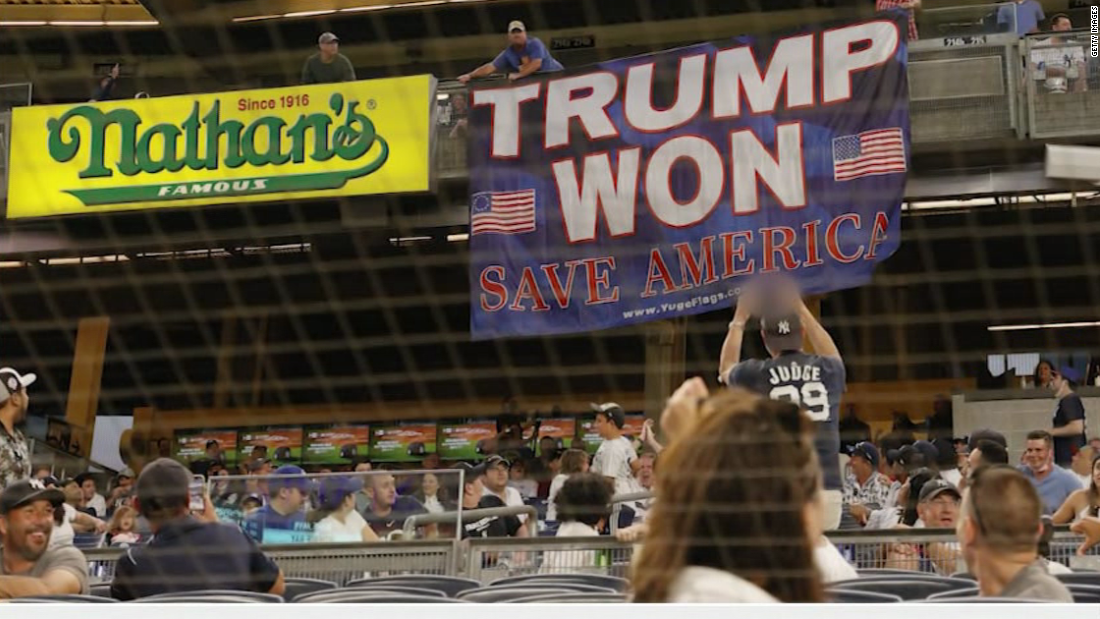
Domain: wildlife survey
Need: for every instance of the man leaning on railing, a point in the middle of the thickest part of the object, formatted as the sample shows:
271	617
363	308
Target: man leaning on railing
524	56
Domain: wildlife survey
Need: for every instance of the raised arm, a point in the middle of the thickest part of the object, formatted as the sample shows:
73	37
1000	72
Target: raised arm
484	70
819	338
735	335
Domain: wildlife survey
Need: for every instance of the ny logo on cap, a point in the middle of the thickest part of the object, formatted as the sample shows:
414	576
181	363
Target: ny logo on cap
784	327
36	484
13	385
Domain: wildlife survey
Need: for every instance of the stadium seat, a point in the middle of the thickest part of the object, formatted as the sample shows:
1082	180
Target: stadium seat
957	593
302	586
964	576
386	587
367	596
611	582
876	572
981	600
1079	578
253	596
102	589
559	585
574	598
200	599
1084	594
906	588
64	599
852	596
449	585
496	595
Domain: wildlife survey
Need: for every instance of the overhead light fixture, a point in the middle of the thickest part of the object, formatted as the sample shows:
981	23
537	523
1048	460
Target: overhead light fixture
458	238
23	23
1049	325
309	13
131	23
422	3
88	23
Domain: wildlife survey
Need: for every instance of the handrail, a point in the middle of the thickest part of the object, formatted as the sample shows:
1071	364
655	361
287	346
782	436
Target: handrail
467	514
625	497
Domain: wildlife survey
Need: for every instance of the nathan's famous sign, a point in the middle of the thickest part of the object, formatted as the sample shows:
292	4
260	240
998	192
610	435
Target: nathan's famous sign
354	138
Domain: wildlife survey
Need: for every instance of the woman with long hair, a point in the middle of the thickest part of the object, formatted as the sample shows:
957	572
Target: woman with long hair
432	495
1082	503
737	511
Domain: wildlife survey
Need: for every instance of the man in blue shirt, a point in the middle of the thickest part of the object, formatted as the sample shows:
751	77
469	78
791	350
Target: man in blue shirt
388	510
188	553
283	519
1053	482
523	56
1029	14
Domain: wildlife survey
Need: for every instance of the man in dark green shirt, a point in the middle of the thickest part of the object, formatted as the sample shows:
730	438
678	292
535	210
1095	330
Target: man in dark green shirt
328	66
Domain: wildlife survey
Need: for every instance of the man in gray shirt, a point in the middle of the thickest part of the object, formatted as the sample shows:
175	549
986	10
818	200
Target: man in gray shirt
328	66
999	531
27	568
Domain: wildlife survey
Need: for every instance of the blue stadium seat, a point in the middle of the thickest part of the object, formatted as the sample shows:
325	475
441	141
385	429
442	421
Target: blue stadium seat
321	597
1084	594
496	595
200	599
611	582
876	572
851	596
392	588
449	585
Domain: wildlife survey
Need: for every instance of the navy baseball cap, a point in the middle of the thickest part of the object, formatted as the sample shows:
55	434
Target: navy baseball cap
928	450
613	411
867	451
335	489
470	472
782	331
1069	374
494	460
28	491
986	434
290	476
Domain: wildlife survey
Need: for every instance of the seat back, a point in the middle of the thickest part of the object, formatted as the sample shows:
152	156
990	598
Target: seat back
199	599
906	589
1084	594
1079	578
494	595
302	586
267	598
64	599
957	593
599	580
102	589
980	600
449	585
574	598
368	596
853	596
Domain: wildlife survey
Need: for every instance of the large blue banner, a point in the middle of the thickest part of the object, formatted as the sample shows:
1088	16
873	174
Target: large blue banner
656	186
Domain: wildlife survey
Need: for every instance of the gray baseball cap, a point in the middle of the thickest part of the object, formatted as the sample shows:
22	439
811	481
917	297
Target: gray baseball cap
328	37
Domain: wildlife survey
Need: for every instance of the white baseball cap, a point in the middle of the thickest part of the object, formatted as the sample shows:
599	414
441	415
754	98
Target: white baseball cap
12	382
517	25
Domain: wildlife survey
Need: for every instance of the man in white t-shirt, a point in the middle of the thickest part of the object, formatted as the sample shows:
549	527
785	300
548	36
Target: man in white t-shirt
616	458
496	482
92	498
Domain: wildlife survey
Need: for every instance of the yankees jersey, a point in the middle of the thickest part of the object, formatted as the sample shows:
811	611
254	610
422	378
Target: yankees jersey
811	381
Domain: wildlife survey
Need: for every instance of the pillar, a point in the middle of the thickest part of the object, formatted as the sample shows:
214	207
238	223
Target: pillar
665	343
87	377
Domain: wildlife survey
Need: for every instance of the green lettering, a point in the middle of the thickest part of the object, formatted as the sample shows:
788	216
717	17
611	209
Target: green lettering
169	134
214	132
319	123
274	154
62	150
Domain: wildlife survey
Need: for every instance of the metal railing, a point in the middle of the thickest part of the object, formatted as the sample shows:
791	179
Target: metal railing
466	515
489	559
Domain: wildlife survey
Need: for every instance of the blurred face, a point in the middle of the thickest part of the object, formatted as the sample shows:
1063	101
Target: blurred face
293	497
496	478
940	512
384	490
1096	473
330	49
26	530
974	460
861	467
517	38
518	472
41	474
213	451
126	524
363	467
1057	382
547	445
88	487
430	485
73	493
1044	372
1037	455
431	461
645	473
1061	25
125	482
473	491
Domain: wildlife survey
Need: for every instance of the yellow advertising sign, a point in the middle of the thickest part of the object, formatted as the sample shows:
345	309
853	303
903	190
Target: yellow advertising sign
353	138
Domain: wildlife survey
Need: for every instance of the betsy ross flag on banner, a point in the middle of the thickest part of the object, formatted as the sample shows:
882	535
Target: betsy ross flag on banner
870	153
503	212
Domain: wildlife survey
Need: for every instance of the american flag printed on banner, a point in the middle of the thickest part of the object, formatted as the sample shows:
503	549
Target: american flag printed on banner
870	153
503	212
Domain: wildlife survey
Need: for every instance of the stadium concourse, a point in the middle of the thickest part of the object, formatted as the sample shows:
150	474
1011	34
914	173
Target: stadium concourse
541	301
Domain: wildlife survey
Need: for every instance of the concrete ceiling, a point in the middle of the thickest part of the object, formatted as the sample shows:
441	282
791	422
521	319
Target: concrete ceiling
73	11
